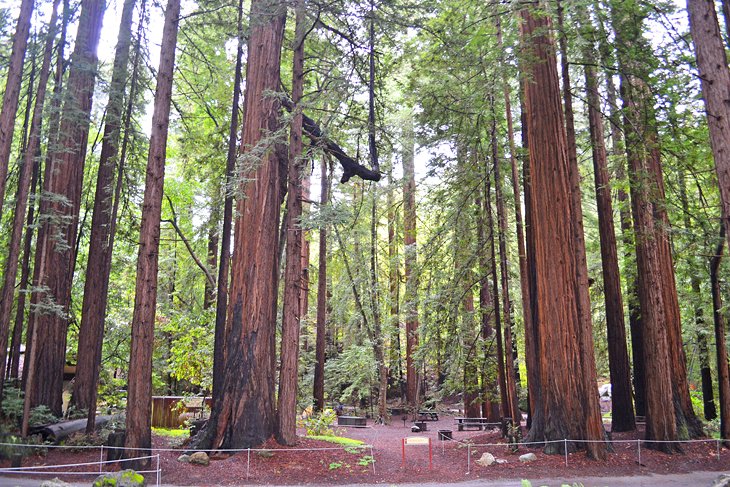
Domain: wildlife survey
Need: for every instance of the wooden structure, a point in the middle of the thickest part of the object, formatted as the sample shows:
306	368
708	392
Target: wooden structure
417	441
428	416
355	421
167	412
478	423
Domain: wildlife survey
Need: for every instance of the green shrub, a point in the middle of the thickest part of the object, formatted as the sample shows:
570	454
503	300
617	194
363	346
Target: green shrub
320	424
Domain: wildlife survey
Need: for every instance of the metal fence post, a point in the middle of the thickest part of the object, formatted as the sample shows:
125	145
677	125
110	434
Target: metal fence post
101	458
565	445
638	446
248	462
468	457
372	456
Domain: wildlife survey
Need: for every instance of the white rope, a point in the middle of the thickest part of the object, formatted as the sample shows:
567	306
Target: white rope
84	464
235	450
36	472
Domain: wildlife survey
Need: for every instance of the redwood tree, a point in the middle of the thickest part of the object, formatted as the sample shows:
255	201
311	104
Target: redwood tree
96	285
30	156
715	81
292	313
12	91
568	402
55	255
243	414
139	389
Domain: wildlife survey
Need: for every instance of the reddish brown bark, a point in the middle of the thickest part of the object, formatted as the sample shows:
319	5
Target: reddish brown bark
96	286
221	305
410	260
243	415
723	369
521	252
622	411
60	215
27	171
657	290
568	403
715	82
12	91
292	313
139	389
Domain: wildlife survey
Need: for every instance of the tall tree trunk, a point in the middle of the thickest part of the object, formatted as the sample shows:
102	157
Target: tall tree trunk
27	171
657	288
505	408
96	286
63	187
568	403
12	92
510	373
139	396
221	306
627	237
715	82
211	258
622	411
38	270
522	256
292	314
243	414
379	339
490	382
699	316
410	301
395	368
723	372
320	349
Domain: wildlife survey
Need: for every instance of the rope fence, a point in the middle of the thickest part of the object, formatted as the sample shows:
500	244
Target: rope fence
638	443
158	471
155	453
63	469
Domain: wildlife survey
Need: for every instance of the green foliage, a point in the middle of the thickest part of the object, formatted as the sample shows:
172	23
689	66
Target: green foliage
12	405
320	424
338	440
42	415
366	461
335	465
172	432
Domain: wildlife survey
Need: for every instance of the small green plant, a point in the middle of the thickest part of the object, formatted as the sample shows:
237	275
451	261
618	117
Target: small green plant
366	461
320	424
41	415
355	450
74	413
335	465
338	440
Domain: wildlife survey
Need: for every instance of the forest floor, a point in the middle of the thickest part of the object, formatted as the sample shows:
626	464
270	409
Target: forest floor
336	465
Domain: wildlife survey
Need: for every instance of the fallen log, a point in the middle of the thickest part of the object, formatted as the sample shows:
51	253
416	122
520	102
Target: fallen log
60	431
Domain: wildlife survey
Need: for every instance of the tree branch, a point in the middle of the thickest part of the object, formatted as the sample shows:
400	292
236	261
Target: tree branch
200	264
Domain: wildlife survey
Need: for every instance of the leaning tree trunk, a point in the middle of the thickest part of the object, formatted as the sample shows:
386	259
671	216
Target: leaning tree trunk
139	396
292	313
568	403
243	414
12	91
715	82
27	171
96	285
63	188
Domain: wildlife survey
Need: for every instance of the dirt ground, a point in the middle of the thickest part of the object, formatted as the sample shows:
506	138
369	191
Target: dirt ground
335	465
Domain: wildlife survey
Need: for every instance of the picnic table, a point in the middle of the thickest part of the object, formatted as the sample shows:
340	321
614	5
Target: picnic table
478	423
428	416
356	421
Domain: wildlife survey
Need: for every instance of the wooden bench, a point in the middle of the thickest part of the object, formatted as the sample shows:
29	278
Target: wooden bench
356	421
428	416
478	423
